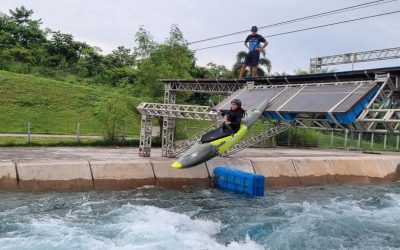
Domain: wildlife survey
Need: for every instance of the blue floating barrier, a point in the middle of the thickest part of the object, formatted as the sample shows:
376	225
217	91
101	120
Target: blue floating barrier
239	181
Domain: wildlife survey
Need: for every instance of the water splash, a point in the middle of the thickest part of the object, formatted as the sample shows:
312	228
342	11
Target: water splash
337	217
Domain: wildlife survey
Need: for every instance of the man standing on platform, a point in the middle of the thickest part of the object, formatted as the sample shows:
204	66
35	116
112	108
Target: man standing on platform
253	42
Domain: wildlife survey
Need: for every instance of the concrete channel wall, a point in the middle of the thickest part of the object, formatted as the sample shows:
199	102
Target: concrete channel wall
80	175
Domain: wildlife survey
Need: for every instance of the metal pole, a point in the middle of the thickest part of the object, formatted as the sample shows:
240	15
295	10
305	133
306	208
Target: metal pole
372	140
78	125
123	134
397	142
384	142
29	132
359	140
345	138
332	139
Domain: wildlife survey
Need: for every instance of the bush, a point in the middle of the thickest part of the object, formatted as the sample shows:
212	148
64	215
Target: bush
113	112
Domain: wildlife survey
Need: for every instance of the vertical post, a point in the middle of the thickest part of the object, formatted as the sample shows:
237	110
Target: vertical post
318	138
186	130
289	137
167	139
346	132
397	142
332	139
146	128
384	142
359	140
29	132
372	140
123	133
78	131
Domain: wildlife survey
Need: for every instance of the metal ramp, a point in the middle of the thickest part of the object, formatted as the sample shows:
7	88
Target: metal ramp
359	101
257	138
333	102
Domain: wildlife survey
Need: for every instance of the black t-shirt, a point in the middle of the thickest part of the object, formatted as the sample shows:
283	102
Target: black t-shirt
254	41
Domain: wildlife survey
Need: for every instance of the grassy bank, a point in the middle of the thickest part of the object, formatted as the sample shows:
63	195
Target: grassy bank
53	107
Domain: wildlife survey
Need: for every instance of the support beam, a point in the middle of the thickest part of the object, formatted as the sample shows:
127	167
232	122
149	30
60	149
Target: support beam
193	112
356	57
211	87
168	129
259	137
145	136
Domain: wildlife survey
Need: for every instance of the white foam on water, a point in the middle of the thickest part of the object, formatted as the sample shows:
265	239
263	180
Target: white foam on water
130	227
338	224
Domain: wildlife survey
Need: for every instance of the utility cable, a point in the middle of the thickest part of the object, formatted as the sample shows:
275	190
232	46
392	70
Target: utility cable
328	13
305	29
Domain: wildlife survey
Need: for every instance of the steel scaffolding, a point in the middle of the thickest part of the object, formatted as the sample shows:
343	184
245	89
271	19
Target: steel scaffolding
382	113
356	57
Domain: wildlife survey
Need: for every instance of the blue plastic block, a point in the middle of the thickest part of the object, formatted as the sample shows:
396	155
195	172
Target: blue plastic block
273	115
288	116
267	115
239	181
329	118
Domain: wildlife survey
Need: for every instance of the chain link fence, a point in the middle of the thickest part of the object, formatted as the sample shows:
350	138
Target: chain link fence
309	138
297	137
64	133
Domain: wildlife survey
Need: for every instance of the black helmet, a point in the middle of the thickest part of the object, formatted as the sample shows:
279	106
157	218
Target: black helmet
254	29
237	102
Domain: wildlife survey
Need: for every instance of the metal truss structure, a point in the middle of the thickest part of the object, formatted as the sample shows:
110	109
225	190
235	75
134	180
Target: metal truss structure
186	144
257	138
168	129
193	112
145	135
214	86
382	115
356	57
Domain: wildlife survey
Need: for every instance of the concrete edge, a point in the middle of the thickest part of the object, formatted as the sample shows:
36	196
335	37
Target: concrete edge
114	175
367	170
8	175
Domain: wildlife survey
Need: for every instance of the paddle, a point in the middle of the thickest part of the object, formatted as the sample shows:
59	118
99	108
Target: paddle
212	106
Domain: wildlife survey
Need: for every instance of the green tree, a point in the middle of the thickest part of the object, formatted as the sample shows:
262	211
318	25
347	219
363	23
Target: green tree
145	43
171	59
113	111
218	71
121	57
24	30
264	65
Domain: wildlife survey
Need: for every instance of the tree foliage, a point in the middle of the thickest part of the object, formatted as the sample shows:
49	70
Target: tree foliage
264	65
113	113
25	47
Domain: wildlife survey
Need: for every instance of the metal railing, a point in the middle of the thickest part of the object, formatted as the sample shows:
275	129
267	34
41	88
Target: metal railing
44	132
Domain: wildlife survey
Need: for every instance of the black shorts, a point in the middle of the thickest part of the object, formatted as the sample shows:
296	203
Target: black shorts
252	58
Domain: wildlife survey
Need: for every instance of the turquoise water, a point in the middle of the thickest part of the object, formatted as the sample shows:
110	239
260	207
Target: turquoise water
333	217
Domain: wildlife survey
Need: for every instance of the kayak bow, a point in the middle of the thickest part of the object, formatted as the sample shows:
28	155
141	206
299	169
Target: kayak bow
204	151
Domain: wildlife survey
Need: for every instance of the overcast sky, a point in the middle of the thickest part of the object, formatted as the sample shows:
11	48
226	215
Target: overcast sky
108	24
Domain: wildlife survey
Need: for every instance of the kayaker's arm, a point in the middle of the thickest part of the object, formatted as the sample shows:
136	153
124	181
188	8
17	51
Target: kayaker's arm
222	113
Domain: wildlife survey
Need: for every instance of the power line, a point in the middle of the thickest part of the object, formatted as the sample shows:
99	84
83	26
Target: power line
305	29
328	13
